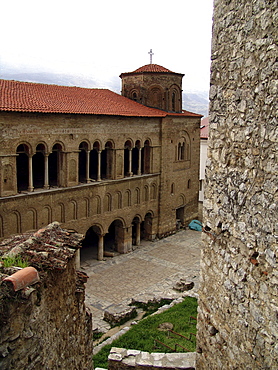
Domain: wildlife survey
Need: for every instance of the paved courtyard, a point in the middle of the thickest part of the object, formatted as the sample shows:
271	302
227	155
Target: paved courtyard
149	272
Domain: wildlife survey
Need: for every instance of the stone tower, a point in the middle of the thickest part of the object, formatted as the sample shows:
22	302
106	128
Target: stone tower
154	86
238	298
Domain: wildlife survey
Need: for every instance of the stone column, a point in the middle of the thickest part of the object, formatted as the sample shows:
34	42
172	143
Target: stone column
138	239
99	166
30	180
46	175
129	161
139	161
88	167
100	251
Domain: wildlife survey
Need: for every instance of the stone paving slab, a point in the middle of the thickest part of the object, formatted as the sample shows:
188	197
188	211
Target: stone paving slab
150	271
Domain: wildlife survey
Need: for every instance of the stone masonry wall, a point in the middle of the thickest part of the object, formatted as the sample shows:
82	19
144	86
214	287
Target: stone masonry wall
45	325
130	359
238	305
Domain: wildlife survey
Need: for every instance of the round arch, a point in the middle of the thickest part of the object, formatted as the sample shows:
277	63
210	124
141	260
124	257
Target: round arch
107	160
114	239
180	211
83	161
38	165
91	243
23	158
134	95
155	96
136	229
55	163
147	226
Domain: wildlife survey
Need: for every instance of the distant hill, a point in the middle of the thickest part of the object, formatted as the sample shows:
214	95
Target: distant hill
61	79
196	101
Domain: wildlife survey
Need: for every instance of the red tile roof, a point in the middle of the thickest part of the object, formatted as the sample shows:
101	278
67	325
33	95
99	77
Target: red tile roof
150	68
32	97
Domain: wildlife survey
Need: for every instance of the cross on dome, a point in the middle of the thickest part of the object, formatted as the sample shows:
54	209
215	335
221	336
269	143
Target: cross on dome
151	55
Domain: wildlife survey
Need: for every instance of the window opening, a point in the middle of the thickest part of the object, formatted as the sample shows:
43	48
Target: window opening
22	168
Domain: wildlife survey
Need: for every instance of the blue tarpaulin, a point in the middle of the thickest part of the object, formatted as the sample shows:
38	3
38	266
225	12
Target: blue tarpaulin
195	225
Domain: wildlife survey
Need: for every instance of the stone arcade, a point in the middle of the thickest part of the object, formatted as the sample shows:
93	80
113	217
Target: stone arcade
115	168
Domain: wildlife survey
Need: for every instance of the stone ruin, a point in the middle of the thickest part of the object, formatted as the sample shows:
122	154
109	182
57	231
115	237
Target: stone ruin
44	323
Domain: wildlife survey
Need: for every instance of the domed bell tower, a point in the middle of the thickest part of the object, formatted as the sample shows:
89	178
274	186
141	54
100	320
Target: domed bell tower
154	86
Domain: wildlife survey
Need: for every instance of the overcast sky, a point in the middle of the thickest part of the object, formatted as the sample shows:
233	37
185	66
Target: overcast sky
102	38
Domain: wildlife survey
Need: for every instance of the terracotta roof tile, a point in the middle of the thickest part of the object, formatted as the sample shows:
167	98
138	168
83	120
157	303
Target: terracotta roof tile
150	68
33	97
50	247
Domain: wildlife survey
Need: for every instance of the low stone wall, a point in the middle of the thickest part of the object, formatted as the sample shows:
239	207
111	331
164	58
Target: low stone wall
45	325
124	359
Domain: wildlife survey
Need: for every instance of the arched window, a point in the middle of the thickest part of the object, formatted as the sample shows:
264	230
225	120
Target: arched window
179	151
82	162
155	98
128	158
183	148
146	193
94	162
127	198
135	158
183	151
22	167
107	205
173	188
38	166
146	157
55	165
153	191
137	196
107	161
173	101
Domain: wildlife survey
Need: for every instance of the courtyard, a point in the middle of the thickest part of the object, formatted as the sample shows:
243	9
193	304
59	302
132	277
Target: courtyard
150	271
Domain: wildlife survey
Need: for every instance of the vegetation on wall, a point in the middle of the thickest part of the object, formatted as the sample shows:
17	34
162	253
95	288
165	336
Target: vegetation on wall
14	261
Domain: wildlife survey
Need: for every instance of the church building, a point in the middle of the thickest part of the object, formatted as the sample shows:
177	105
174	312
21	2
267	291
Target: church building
117	168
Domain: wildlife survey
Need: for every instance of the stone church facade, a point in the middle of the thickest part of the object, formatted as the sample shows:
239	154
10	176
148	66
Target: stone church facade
115	168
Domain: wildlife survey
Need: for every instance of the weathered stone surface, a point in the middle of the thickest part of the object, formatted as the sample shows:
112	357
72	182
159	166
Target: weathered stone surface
46	326
183	285
120	358
116	314
236	329
165	326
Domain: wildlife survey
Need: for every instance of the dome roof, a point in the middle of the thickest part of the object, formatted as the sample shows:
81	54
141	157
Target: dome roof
150	68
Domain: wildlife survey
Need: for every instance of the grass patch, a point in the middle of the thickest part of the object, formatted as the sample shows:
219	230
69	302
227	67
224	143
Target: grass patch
142	336
14	261
97	335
